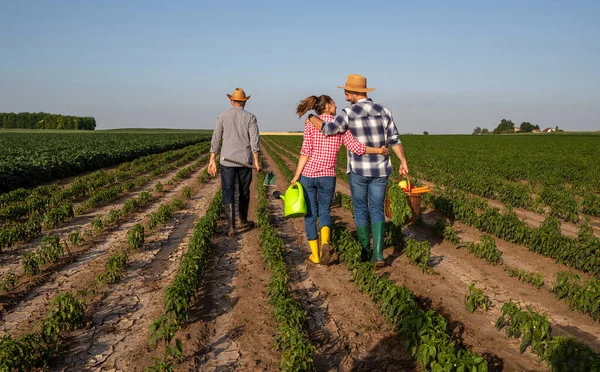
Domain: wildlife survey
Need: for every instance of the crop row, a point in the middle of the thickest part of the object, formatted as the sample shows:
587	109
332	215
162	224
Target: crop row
17	232
425	332
297	353
582	253
559	352
189	275
584	297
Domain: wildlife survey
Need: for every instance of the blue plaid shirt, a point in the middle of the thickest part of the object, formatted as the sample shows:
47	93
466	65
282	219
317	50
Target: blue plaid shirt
370	124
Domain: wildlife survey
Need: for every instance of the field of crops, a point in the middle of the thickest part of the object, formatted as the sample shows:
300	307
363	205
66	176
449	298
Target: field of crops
127	267
29	158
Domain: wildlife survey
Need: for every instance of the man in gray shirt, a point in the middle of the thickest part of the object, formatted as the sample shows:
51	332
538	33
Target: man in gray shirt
236	135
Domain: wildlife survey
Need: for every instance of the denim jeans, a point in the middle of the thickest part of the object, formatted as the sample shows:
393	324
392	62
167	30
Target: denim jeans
318	193
244	177
368	198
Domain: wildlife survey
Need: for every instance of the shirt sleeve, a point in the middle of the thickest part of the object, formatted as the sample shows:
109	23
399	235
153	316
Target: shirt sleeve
352	144
393	138
254	136
307	143
215	142
338	125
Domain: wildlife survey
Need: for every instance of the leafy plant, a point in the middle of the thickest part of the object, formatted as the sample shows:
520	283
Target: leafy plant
67	313
114	214
8	282
485	249
401	212
177	204
419	253
535	279
135	237
30	263
75	238
584	298
186	192
533	327
50	251
97	223
475	299
114	268
158	187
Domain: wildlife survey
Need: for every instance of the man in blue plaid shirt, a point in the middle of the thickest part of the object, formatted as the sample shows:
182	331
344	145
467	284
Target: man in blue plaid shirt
373	125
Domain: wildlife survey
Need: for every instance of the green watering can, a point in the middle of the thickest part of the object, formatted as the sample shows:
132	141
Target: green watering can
294	204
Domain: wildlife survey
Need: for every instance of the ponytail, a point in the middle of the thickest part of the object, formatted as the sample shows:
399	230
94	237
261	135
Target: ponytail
313	103
306	105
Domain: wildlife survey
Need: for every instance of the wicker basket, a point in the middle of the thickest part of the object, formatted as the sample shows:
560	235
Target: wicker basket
413	200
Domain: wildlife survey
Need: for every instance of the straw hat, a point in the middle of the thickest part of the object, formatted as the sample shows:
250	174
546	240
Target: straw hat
357	83
238	95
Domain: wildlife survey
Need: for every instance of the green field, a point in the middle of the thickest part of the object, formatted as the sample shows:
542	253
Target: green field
558	171
31	157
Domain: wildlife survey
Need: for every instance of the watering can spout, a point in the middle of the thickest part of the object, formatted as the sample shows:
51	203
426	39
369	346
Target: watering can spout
278	195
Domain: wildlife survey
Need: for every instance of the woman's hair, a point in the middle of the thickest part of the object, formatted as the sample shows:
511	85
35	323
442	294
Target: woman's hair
313	103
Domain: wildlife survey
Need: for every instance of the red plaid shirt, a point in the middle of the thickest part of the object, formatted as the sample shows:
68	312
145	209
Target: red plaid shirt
322	150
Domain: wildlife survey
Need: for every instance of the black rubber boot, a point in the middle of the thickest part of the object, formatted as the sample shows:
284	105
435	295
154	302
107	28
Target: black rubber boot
244	223
229	218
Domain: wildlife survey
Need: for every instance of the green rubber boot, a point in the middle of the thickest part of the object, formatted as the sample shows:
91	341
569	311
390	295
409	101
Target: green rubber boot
364	239
378	238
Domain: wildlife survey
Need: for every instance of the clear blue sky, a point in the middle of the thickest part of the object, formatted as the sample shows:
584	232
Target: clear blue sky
441	66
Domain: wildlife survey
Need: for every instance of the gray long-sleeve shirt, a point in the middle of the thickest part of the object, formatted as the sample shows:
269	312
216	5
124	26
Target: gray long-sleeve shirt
236	135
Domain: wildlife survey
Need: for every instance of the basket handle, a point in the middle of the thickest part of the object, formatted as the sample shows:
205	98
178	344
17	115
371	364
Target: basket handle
407	182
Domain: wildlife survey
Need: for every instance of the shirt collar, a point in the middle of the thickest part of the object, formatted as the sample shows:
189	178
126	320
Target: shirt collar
365	100
237	108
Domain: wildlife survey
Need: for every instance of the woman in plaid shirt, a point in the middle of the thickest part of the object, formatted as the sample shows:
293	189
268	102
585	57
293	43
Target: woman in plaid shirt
316	172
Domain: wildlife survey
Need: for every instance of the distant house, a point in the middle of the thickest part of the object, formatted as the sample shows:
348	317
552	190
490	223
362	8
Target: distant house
517	130
547	130
536	131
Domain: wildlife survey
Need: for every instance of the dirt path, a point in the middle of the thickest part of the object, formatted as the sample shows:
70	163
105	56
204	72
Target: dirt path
78	275
344	324
232	326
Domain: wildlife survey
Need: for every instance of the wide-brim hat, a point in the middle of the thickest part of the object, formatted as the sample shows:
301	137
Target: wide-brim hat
238	95
357	83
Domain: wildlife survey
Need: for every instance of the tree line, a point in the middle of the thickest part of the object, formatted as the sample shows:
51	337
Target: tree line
42	120
507	126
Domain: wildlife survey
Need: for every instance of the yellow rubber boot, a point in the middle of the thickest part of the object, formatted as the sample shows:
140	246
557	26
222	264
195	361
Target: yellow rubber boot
325	245
314	249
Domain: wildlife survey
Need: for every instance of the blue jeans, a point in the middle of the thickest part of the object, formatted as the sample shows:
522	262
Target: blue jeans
244	178
368	198
318	193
